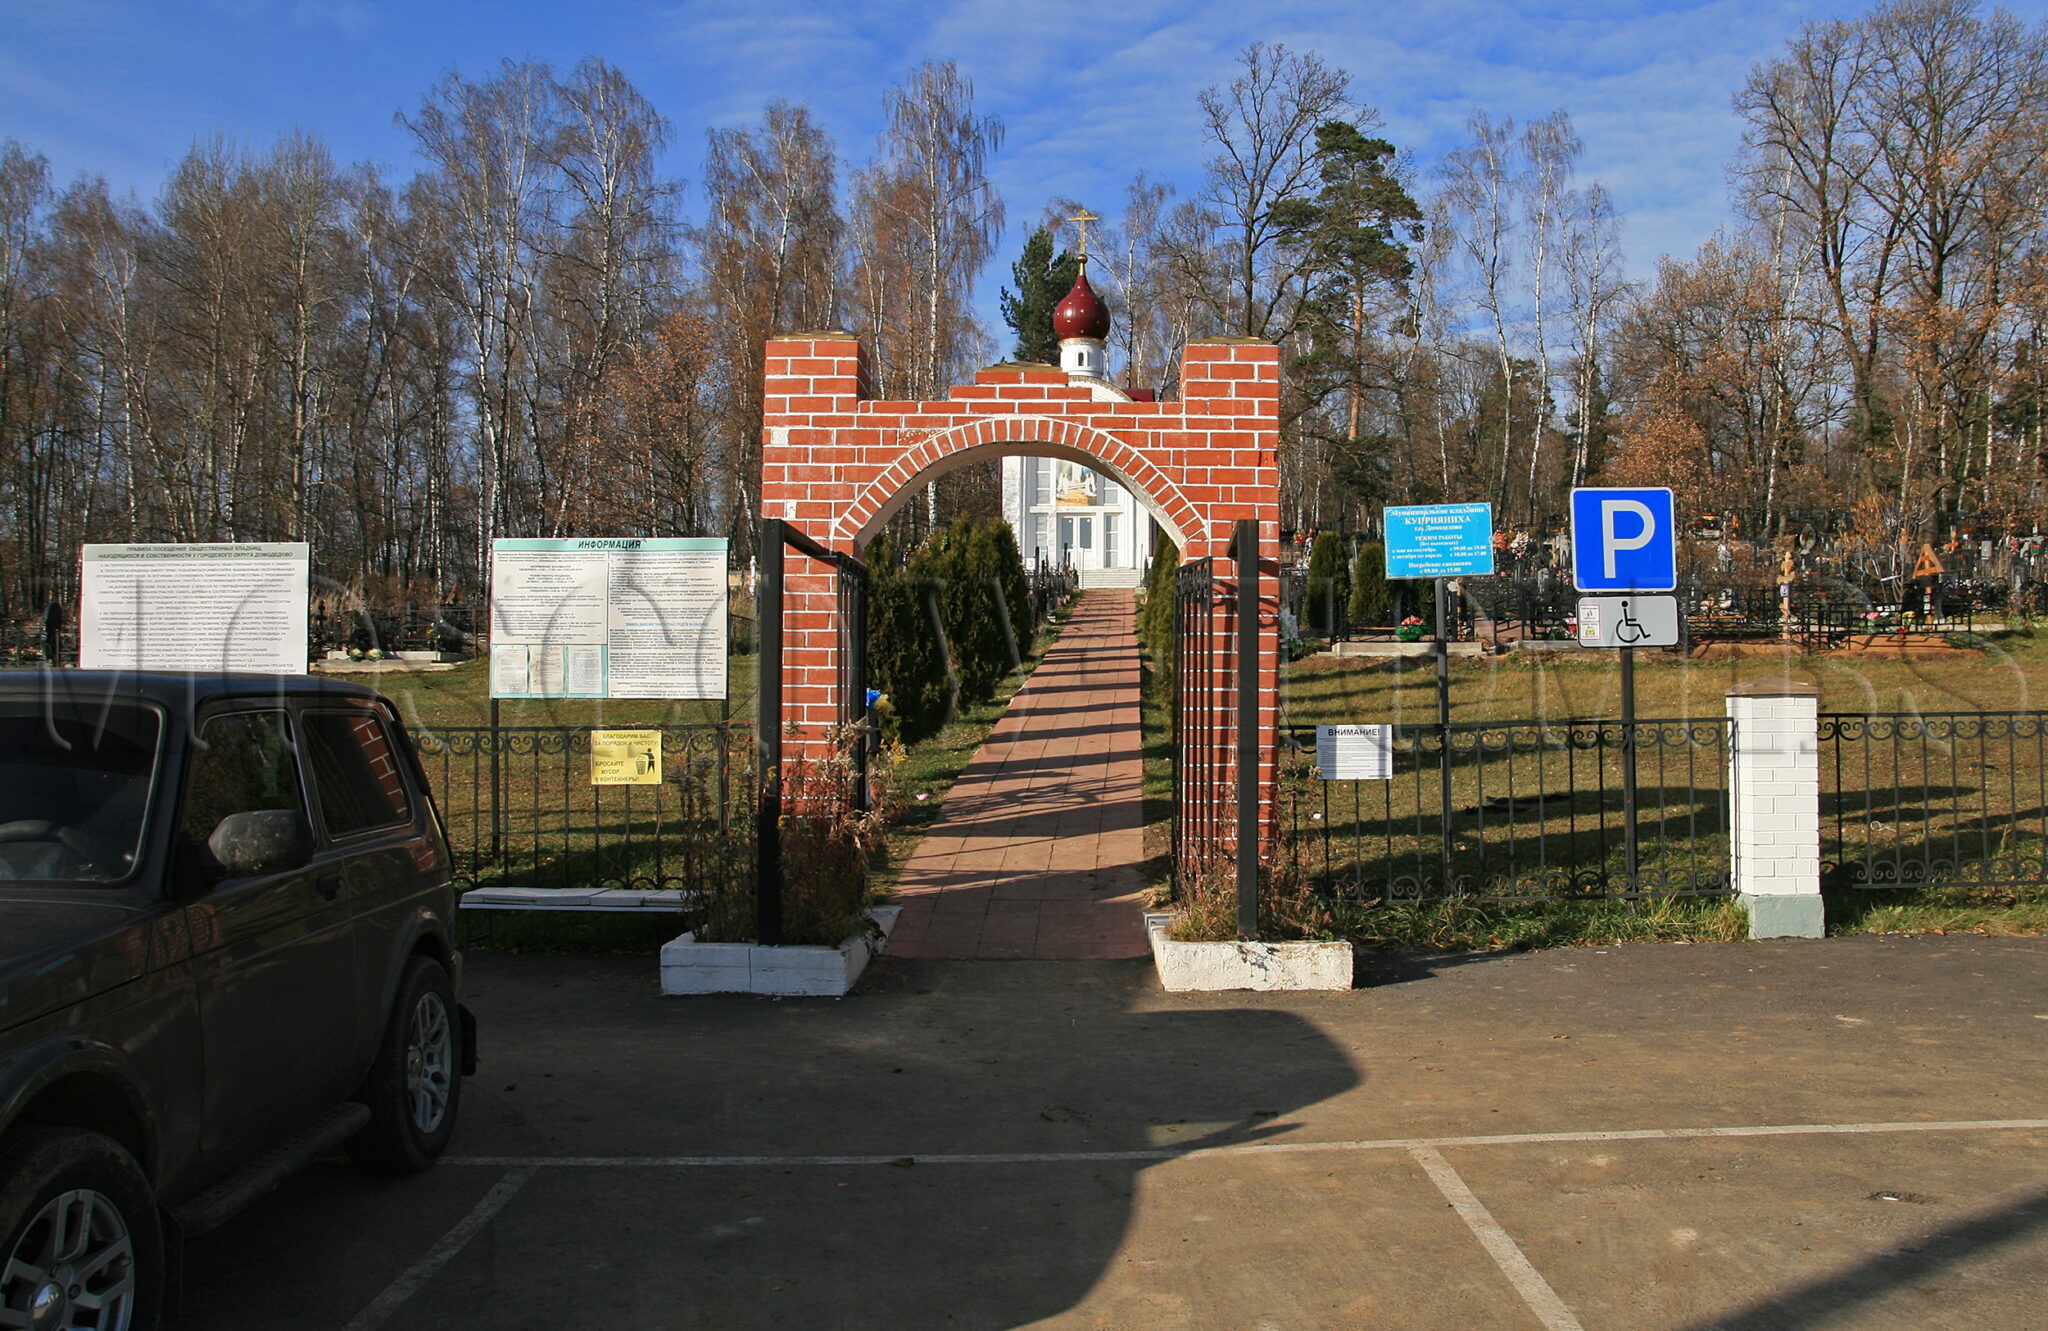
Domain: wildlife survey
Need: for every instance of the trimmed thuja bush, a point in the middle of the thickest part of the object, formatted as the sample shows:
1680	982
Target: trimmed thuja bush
1329	586
906	651
1155	619
1372	600
944	632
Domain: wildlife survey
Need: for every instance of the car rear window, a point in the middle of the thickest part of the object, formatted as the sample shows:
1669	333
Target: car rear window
356	772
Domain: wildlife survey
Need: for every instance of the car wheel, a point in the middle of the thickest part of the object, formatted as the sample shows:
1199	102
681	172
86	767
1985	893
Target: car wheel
81	1243
416	1082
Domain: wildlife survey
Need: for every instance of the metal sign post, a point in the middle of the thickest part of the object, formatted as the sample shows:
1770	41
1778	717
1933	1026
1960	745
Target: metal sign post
1440	541
1625	540
1443	721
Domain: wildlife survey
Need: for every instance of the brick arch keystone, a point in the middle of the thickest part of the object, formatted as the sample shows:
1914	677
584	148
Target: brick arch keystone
1034	436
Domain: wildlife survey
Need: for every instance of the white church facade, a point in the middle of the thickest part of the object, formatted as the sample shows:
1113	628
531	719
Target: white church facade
1063	512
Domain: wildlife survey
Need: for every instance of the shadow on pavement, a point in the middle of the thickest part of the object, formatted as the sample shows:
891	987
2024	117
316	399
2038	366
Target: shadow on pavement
961	1143
1833	1300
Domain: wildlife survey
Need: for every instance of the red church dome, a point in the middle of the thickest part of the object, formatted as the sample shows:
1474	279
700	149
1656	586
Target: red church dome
1081	312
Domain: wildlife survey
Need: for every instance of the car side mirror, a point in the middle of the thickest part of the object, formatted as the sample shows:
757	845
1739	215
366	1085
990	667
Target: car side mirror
261	841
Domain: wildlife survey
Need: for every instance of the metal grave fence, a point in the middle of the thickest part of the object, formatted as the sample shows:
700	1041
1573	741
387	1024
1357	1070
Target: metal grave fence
1956	799
1535	813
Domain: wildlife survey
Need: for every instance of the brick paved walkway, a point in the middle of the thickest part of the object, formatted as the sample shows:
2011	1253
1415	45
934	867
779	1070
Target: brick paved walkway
1037	852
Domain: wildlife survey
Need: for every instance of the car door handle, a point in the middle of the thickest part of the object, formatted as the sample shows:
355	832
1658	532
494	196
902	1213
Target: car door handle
328	884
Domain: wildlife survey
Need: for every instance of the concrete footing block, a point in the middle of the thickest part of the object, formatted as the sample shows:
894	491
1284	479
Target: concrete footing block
1783	916
1192	967
691	967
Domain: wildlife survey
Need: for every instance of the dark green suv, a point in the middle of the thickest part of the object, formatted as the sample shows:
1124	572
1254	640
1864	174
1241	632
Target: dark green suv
225	947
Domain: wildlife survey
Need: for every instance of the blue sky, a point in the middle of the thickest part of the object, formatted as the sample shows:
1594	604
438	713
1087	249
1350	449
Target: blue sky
1091	93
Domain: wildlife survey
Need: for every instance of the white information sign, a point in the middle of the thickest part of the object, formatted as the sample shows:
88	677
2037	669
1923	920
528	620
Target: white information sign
597	617
1628	621
1355	753
217	606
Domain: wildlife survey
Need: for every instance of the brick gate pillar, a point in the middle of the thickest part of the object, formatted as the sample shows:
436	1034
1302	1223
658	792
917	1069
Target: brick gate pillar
814	383
1231	391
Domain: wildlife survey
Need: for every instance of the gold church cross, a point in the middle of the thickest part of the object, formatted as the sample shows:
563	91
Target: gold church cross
1082	219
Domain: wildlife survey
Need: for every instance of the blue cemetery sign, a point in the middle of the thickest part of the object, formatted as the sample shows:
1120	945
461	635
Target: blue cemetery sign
1623	540
1439	540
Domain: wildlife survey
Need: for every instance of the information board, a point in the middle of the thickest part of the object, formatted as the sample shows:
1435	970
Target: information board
213	606
599	617
1439	540
1355	753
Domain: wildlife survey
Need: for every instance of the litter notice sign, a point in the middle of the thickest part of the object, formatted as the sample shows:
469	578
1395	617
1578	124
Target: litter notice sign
625	757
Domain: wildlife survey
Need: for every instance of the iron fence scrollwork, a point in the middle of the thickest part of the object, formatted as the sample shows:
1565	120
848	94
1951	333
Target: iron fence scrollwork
1956	799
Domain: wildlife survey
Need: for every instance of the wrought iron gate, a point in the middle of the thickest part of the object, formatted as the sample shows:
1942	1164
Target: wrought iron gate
1215	729
850	586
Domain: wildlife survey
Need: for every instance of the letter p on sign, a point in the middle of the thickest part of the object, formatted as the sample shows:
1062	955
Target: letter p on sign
1624	540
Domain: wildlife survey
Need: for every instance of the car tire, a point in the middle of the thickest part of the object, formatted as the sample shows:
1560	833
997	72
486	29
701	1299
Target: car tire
81	1240
415	1085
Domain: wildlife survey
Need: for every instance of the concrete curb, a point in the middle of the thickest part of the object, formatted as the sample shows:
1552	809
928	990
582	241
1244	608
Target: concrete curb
1272	967
691	967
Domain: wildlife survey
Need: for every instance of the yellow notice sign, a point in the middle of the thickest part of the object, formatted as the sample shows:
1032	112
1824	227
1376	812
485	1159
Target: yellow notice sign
625	757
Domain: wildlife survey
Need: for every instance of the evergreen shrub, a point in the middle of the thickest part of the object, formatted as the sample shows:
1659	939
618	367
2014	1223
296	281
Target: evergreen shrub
1329	586
1155	620
1372	600
906	657
944	632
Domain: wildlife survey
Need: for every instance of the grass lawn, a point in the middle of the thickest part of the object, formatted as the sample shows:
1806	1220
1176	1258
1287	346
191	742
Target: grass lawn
2010	675
461	697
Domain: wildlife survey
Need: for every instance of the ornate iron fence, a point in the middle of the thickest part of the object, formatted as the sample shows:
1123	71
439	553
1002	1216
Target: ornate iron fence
1535	813
1956	799
1200	788
521	812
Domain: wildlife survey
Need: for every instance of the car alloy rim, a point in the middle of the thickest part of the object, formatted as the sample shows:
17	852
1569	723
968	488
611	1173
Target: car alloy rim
74	1267
429	1062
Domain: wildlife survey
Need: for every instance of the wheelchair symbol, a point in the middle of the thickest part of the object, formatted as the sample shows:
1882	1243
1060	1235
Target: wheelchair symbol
1628	628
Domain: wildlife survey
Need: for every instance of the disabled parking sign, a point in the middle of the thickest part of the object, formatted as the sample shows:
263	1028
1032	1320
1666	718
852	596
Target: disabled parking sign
1623	540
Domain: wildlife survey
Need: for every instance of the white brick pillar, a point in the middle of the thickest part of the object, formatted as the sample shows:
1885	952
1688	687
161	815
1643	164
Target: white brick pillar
1774	799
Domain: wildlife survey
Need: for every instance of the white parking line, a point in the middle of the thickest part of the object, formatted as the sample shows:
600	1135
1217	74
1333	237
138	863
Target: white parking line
1527	1280
1247	1148
439	1255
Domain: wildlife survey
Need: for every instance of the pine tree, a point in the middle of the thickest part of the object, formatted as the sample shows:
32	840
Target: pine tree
1042	281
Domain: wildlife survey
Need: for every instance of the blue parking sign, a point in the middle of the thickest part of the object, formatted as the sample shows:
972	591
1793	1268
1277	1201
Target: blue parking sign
1624	540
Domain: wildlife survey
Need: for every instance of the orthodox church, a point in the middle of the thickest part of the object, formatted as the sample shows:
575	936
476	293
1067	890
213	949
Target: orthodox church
1062	512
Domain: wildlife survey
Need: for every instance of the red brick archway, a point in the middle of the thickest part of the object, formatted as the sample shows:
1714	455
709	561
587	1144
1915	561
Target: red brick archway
837	463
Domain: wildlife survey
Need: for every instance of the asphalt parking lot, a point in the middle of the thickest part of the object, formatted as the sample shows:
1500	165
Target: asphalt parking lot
1846	1133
